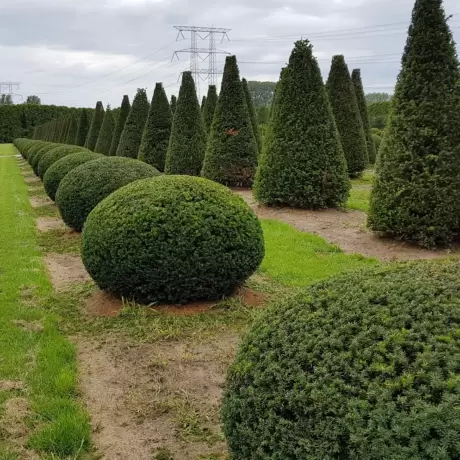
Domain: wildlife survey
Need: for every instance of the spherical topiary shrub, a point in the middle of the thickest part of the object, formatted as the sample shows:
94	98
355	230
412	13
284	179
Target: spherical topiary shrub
34	149
34	159
88	184
32	146
377	141
49	158
172	239
365	366
62	167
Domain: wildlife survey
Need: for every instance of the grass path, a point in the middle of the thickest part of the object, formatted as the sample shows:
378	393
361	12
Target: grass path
39	407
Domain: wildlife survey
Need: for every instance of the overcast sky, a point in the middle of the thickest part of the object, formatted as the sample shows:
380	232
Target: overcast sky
75	52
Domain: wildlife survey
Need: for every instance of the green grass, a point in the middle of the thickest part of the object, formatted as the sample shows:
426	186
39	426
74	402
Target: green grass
43	360
296	258
359	199
366	178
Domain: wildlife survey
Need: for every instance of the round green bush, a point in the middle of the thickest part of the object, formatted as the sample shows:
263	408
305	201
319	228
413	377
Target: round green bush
49	158
62	167
172	239
35	148
34	160
365	366
88	184
377	141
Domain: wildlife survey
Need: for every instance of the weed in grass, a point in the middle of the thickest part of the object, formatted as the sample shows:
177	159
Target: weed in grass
163	454
359	199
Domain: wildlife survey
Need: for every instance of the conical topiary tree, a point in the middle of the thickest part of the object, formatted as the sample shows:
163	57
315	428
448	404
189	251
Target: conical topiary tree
188	138
157	131
64	129
104	140
72	131
203	103
210	107
347	117
83	128
121	120
231	153
131	136
359	92
95	127
416	193
252	114
173	103
302	163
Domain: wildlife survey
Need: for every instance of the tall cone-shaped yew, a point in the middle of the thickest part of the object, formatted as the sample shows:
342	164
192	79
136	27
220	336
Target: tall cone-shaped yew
83	127
121	120
210	107
252	114
157	131
360	97
95	127
302	163
131	136
231	153
106	133
347	117
188	138
72	131
173	103
416	193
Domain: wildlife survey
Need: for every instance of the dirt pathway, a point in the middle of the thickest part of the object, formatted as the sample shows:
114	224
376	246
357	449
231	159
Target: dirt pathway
347	229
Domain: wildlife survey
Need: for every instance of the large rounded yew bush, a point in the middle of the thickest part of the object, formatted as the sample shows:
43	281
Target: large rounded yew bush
88	184
49	158
365	366
62	167
172	239
35	157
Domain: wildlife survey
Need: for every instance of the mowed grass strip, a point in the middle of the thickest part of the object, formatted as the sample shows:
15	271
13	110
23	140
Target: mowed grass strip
296	258
37	362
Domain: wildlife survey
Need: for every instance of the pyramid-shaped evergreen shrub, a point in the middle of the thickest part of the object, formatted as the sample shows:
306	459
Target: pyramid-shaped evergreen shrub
173	103
82	130
157	131
252	114
131	136
347	117
362	105
188	138
95	127
72	131
302	163
416	193
121	120
210	107
104	140
203	103
231	153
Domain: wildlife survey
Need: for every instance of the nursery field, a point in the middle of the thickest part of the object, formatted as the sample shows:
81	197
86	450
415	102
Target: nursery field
84	375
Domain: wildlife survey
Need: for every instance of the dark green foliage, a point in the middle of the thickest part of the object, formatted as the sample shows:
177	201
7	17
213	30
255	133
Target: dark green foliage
376	140
262	92
72	132
131	136
157	130
416	194
95	127
173	103
34	160
263	115
231	153
359	92
207	241
83	127
364	366
210	107
252	115
188	138
104	141
121	120
62	167
347	116
203	103
49	158
88	184
65	124
31	149
302	163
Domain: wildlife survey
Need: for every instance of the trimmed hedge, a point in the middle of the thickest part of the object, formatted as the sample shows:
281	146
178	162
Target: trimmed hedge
364	366
62	167
121	120
377	140
95	127
49	158
32	147
172	239
104	140
85	186
34	160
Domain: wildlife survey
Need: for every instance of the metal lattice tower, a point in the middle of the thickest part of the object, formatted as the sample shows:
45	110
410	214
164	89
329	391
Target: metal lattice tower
202	54
8	87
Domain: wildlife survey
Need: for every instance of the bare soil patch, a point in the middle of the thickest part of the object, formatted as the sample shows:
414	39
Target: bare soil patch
45	224
155	396
38	201
65	269
347	229
30	180
31	326
8	385
101	303
12	423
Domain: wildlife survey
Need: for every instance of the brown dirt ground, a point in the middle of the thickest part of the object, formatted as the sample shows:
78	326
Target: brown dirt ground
30	180
45	224
155	396
31	326
8	385
347	229
65	269
38	201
